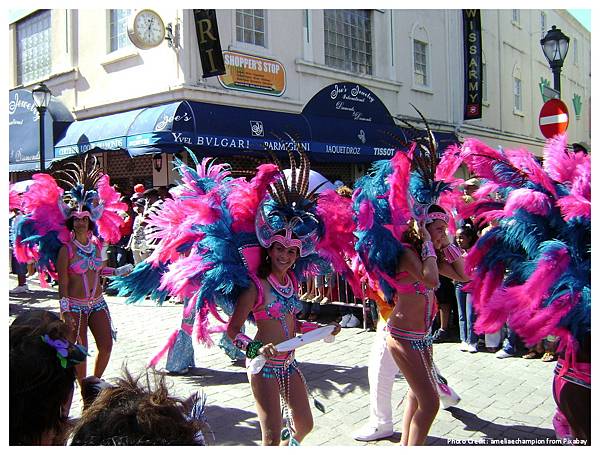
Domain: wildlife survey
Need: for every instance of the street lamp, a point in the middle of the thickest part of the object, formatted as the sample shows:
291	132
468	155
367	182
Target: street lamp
41	98
158	161
555	46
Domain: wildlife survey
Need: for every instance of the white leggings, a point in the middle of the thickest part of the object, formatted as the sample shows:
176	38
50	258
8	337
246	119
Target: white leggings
382	371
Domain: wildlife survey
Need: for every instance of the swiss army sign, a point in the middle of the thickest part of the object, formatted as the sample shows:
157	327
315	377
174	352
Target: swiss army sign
554	118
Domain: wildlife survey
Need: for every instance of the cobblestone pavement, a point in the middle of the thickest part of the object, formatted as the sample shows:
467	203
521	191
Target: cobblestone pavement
508	400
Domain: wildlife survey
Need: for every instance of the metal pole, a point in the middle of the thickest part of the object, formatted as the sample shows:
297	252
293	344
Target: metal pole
42	111
556	73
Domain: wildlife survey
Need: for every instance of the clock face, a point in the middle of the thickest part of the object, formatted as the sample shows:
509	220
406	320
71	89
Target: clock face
146	29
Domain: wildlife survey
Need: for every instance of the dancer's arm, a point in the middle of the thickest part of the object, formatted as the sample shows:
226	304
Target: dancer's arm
422	269
244	305
453	264
62	268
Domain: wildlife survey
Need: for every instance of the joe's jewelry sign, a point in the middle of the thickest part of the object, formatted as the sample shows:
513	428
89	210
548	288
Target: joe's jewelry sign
253	74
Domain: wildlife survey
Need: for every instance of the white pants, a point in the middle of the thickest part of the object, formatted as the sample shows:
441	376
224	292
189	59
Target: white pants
493	340
382	371
139	256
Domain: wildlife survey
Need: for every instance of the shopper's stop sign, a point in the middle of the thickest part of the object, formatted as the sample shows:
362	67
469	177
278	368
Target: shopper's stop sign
554	118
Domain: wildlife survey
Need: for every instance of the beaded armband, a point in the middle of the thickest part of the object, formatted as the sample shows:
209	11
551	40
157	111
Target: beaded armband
241	341
428	251
245	343
451	253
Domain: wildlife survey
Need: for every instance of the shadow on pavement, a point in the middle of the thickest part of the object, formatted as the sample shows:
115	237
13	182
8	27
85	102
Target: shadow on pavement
497	431
207	377
16	309
224	423
328	379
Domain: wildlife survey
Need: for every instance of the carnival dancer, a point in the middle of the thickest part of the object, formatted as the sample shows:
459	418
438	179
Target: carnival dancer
214	234
533	268
404	247
62	232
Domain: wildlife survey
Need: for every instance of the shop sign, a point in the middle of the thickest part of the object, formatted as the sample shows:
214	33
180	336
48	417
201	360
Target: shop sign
472	63
209	44
347	101
249	73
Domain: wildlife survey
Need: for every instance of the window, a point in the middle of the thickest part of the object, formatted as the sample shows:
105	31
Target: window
33	48
518	99
420	63
516	16
118	29
348	40
250	26
575	52
543	23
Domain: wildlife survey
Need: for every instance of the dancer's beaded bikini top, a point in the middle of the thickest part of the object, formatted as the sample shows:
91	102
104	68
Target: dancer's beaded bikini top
88	257
285	302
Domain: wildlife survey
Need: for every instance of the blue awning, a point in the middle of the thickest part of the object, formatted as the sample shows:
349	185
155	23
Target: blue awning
210	128
217	130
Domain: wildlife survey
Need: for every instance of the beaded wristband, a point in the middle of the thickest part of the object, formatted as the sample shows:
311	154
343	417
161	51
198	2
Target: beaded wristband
241	341
252	349
451	253
64	304
428	251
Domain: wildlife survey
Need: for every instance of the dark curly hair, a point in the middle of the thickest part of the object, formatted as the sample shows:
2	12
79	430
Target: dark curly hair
39	386
130	413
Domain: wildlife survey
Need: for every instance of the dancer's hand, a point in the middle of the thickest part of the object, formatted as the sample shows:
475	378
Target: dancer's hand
337	328
268	350
423	232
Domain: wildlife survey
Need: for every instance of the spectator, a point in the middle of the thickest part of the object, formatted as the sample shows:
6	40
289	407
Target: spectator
41	378
137	241
446	299
131	413
466	237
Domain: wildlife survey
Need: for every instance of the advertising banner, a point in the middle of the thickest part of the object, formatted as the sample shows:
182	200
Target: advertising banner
209	44
253	74
473	70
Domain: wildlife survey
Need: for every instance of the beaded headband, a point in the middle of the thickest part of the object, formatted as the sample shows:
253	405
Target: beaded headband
431	217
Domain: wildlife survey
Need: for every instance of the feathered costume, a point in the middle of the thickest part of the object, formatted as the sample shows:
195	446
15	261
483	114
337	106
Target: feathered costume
209	248
395	192
533	269
42	231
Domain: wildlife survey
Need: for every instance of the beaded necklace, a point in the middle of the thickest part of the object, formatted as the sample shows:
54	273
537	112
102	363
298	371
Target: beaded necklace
285	290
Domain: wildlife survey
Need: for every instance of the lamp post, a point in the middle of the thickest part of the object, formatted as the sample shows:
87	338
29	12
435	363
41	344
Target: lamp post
555	46
158	161
41	98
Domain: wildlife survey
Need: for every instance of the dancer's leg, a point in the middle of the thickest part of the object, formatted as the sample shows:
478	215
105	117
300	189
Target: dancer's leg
299	407
416	367
99	322
266	394
409	412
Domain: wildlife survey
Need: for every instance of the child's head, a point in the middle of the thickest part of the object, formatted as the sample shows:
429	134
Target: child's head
132	413
42	377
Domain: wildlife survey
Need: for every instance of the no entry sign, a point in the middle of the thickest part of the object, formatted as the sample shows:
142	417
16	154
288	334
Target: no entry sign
554	118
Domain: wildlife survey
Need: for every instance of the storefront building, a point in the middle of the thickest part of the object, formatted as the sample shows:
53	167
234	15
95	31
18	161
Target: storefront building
335	81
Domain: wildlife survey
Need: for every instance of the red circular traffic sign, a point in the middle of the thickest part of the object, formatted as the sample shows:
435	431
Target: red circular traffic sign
554	118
